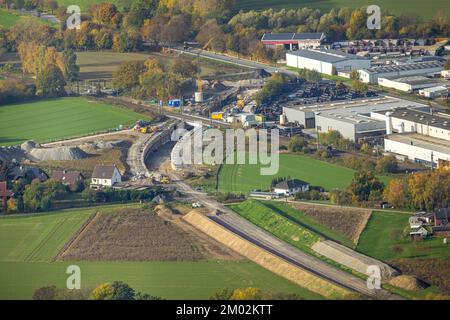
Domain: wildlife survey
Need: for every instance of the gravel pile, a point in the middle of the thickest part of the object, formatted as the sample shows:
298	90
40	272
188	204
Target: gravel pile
60	153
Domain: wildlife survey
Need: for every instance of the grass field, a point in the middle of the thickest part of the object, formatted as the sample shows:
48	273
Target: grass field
384	236
10	18
425	9
302	219
266	218
245	178
28	245
55	119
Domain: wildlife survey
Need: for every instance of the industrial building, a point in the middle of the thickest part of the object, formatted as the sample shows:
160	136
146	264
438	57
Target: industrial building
371	75
325	61
423	137
409	84
434	92
293	41
353	119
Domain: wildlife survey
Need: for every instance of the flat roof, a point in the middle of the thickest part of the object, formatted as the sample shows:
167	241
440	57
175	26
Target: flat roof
432	120
359	106
426	142
413	80
436	89
330	56
405	67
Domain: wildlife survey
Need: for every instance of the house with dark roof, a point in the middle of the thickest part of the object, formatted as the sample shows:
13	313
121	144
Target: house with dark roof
30	173
294	41
68	178
105	176
441	222
5	194
291	187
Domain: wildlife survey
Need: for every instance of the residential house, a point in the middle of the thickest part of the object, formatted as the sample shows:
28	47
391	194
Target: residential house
442	222
5	194
290	187
415	222
68	178
105	176
30	173
418	233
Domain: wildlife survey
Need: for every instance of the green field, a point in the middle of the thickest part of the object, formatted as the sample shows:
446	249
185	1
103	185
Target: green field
10	18
302	219
425	9
28	245
245	178
61	118
388	229
264	217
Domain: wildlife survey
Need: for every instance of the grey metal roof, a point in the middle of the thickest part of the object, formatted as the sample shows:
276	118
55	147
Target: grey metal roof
103	172
293	36
406	67
291	184
331	56
432	120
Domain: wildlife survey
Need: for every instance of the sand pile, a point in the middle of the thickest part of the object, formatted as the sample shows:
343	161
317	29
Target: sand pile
117	144
409	283
27	146
60	153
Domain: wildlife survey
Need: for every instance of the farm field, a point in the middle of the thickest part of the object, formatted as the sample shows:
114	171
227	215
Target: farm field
10	18
384	238
102	64
245	178
28	245
60	118
425	9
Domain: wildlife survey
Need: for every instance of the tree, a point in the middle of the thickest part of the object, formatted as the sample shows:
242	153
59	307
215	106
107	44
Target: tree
359	86
50	82
104	291
247	294
122	291
396	193
363	184
184	68
387	164
296	144
141	10
103	13
354	75
126	77
45	293
51	5
71	69
310	75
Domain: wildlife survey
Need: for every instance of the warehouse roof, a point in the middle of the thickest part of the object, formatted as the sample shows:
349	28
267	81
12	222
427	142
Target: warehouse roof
433	120
405	67
293	36
331	56
419	140
413	80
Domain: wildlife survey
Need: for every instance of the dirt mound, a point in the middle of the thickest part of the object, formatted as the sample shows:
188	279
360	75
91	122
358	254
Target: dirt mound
60	153
28	145
409	283
118	144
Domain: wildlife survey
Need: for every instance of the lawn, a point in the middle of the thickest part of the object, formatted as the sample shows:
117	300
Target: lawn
385	238
285	229
28	245
10	18
245	178
55	119
425	9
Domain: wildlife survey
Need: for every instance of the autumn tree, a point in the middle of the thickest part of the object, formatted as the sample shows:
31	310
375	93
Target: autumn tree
51	5
247	294
184	68
71	70
363	184
141	10
126	77
396	193
103	292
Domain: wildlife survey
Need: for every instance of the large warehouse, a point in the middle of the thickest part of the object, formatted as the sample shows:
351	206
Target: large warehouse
409	84
293	41
323	61
420	136
371	75
353	119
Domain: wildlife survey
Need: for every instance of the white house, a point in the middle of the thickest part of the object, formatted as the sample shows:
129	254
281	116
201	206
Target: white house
290	187
105	176
419	233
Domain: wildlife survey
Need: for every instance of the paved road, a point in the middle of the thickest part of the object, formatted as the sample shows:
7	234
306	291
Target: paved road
270	243
235	60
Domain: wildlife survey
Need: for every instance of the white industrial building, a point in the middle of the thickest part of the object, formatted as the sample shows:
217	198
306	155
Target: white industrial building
371	75
423	137
353	119
409	84
323	61
434	92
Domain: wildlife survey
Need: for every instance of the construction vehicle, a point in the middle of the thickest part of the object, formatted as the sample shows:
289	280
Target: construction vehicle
240	104
217	115
165	180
